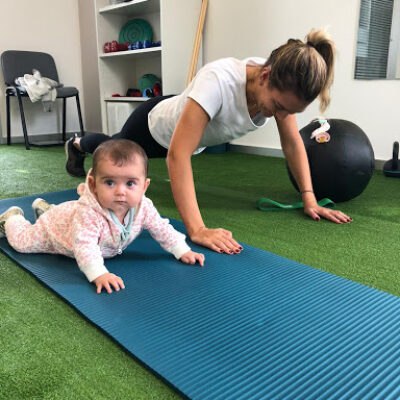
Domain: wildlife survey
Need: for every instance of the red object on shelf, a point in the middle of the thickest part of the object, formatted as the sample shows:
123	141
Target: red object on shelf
107	47
111	47
114	46
131	92
116	95
157	90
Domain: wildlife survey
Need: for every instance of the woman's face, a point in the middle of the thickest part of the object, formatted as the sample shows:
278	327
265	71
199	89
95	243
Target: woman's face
272	102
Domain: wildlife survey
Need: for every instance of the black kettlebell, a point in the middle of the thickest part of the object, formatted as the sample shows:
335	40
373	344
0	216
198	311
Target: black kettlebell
392	167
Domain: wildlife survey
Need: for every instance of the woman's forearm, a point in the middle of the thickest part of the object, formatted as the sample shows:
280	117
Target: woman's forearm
187	135
298	163
183	190
296	156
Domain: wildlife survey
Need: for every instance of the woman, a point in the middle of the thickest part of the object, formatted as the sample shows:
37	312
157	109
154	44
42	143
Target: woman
227	99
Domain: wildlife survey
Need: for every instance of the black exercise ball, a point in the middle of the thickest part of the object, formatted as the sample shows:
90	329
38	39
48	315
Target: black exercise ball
342	167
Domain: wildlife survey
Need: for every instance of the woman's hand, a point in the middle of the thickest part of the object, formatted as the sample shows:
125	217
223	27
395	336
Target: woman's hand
316	212
219	240
107	280
296	155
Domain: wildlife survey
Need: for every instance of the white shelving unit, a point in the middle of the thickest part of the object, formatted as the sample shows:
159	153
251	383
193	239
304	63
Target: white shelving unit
174	23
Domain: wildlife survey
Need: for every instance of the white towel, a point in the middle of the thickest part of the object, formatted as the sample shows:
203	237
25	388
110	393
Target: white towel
39	88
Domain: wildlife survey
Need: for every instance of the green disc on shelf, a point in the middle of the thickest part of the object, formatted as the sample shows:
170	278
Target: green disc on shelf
136	30
148	81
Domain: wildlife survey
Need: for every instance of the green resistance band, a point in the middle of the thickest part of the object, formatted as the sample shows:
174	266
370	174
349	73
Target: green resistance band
265	204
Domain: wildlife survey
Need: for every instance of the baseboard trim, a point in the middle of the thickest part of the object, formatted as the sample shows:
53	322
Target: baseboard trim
259	151
48	137
235	148
264	151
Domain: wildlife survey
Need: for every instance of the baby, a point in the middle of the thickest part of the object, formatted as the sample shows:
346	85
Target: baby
111	212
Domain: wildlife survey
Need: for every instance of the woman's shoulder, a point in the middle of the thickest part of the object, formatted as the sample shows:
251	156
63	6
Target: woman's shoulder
232	62
223	63
222	70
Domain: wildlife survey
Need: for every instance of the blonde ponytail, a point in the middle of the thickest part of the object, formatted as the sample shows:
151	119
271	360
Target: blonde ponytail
306	68
322	43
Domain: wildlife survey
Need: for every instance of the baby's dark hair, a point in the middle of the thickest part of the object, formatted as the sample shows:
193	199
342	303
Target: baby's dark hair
120	152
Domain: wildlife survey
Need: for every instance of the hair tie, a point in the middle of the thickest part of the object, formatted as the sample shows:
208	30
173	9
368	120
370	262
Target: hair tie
310	44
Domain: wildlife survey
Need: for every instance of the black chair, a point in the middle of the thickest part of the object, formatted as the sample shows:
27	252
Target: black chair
17	63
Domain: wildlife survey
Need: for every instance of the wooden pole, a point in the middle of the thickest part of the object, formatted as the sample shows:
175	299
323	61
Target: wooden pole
197	42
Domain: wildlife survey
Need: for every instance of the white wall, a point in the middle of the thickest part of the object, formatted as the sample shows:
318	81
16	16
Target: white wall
50	26
239	28
244	28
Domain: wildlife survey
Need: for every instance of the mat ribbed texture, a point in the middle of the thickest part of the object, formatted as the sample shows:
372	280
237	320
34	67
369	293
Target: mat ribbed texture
250	326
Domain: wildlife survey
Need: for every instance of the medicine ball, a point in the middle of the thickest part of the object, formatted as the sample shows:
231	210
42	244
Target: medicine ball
342	167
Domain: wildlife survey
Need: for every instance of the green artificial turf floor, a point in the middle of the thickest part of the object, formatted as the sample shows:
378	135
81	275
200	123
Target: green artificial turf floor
48	351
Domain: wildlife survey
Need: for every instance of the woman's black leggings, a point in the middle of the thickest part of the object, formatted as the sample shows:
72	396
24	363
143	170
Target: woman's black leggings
136	128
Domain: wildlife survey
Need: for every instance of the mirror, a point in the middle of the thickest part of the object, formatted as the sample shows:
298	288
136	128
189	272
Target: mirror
378	41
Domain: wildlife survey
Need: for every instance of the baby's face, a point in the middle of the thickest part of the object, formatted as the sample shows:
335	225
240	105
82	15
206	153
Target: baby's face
119	188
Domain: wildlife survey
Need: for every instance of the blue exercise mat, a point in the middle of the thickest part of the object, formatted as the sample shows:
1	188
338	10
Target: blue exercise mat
249	326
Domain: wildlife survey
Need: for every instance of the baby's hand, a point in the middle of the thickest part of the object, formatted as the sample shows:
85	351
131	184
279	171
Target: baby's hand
191	257
106	280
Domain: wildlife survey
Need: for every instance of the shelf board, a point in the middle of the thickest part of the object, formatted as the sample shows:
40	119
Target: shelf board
126	99
133	7
140	52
